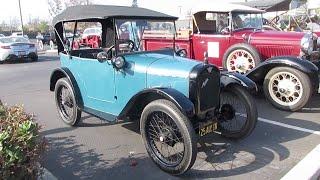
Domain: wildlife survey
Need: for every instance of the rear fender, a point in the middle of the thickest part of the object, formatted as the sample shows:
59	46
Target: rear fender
66	73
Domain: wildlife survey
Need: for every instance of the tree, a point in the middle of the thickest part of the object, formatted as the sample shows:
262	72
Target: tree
134	3
57	6
43	26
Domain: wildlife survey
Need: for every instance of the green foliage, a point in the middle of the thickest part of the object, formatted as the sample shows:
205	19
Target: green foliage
21	146
43	26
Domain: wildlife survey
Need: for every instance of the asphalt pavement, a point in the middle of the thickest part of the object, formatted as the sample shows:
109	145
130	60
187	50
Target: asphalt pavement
97	149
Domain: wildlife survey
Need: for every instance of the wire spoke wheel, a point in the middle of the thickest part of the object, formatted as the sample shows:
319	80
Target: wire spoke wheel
285	88
168	136
65	102
240	61
234	112
238	113
165	138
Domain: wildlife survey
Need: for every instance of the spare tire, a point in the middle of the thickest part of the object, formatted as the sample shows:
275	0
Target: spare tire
241	58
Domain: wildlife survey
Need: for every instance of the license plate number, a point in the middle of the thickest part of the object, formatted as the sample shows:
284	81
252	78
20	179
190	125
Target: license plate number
21	53
207	128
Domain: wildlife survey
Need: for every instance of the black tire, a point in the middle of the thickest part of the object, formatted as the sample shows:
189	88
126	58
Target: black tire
34	58
51	44
73	116
237	103
41	45
245	48
277	98
181	127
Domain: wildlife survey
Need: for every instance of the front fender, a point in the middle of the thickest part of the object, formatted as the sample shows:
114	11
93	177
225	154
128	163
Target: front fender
141	99
229	78
258	73
66	73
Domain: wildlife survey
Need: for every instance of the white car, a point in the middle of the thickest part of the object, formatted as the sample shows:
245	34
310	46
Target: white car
92	31
12	48
19	34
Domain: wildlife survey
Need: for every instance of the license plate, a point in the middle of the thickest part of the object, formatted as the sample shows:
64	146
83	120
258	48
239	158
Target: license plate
207	128
21	53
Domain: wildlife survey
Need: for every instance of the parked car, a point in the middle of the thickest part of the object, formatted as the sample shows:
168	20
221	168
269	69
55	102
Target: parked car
1	35
232	38
19	34
92	31
46	39
91	37
12	48
175	99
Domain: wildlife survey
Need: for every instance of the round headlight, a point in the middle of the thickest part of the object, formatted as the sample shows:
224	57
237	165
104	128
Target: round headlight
307	43
119	62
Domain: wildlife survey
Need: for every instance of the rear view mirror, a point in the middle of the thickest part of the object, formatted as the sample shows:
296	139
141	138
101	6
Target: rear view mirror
102	56
182	53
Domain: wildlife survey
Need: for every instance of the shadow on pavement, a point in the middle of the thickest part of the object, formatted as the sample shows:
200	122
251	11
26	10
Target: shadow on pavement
217	157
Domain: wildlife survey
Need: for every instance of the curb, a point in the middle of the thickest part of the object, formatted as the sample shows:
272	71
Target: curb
307	168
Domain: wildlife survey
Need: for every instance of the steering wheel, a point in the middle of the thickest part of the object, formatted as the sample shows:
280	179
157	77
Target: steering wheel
130	45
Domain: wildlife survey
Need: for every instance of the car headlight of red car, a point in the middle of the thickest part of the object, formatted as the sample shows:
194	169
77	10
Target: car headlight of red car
306	43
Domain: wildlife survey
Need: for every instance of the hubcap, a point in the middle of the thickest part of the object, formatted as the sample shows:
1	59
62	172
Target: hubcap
285	88
240	61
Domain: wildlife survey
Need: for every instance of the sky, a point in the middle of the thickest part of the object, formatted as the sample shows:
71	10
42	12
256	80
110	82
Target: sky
9	9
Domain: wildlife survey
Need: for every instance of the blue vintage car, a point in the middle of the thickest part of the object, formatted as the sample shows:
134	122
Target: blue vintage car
176	99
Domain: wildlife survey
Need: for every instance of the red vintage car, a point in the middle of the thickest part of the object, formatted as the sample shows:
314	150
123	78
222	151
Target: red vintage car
231	36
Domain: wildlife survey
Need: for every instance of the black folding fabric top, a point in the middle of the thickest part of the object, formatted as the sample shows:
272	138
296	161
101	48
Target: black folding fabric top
84	12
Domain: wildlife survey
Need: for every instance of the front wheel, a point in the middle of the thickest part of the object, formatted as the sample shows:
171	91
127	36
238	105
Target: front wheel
238	113
287	88
168	136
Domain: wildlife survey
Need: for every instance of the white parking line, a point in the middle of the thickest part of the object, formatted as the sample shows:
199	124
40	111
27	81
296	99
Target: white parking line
289	126
307	168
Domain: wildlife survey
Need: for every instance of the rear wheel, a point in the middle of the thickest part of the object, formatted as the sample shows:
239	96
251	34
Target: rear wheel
168	137
40	44
66	103
51	45
287	88
238	113
34	58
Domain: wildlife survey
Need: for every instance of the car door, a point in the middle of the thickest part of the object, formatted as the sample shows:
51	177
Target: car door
97	80
211	37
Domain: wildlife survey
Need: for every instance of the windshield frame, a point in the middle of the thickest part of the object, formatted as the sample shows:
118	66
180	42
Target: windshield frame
247	13
116	35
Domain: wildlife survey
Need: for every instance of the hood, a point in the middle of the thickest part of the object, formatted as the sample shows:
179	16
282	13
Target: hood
170	66
168	71
272	37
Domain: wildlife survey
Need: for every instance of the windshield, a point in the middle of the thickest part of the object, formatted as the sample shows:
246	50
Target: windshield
246	20
139	30
13	40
